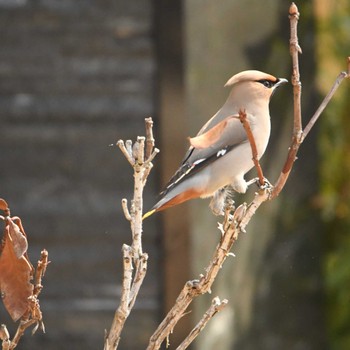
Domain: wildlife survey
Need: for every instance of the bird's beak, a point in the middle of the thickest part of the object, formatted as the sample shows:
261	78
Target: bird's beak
280	81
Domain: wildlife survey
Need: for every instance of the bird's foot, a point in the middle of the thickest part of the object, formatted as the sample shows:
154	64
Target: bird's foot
266	186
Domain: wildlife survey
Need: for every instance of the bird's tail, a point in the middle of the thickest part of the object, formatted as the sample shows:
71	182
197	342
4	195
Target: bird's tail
169	201
148	214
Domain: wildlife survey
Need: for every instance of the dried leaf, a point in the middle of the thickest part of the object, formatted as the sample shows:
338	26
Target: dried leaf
16	271
19	240
3	204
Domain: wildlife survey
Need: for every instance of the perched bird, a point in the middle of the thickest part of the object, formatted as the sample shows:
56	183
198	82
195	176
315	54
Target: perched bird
220	154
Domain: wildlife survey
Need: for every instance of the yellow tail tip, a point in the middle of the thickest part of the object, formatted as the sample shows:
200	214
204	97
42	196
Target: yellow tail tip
149	213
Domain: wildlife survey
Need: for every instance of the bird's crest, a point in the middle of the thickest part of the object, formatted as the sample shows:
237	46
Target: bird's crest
250	75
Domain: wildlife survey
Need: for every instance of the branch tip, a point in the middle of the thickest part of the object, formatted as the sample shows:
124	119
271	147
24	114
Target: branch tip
151	157
126	209
293	10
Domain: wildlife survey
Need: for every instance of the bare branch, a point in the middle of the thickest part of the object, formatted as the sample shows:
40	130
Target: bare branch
139	150
295	50
149	137
128	146
40	272
260	197
246	125
298	134
5	337
122	313
140	274
152	155
125	209
324	103
7	344
216	306
134	260
126	153
23	325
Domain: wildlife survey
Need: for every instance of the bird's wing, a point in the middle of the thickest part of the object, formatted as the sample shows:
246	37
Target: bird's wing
208	147
221	132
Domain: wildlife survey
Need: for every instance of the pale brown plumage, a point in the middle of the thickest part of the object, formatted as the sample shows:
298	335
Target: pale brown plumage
220	154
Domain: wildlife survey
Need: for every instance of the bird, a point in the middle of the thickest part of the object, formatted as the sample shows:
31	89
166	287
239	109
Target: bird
220	154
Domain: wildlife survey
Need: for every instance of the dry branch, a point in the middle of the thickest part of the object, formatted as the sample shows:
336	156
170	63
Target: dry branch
295	50
5	337
140	156
298	134
325	101
216	306
248	130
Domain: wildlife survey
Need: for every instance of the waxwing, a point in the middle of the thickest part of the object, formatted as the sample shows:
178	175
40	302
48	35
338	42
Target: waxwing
220	155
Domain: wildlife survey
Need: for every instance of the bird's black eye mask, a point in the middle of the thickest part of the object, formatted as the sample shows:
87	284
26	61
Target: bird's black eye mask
267	83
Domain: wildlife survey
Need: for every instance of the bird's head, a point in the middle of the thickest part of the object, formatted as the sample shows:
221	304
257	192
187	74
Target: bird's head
253	84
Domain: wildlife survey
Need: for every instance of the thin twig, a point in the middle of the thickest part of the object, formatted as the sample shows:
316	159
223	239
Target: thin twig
216	306
248	130
128	147
149	137
295	50
324	103
40	272
134	259
298	134
147	171
139	150
122	313
5	337
125	209
124	150
151	156
140	274
23	325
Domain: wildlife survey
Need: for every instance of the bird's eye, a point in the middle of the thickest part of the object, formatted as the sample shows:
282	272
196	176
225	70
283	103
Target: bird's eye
267	83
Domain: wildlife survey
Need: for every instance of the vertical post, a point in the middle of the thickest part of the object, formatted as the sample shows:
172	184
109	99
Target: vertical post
169	26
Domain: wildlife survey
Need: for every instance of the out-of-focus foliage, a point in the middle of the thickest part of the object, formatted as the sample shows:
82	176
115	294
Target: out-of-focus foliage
333	19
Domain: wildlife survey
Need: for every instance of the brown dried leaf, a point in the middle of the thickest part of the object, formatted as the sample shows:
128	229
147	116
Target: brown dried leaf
16	271
19	240
3	204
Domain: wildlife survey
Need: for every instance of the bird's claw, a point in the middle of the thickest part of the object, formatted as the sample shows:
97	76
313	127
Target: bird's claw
266	186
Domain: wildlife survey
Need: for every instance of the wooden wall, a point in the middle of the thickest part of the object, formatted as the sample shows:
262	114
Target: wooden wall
75	76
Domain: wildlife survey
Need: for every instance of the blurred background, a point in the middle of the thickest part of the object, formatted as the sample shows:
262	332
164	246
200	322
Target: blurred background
76	76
